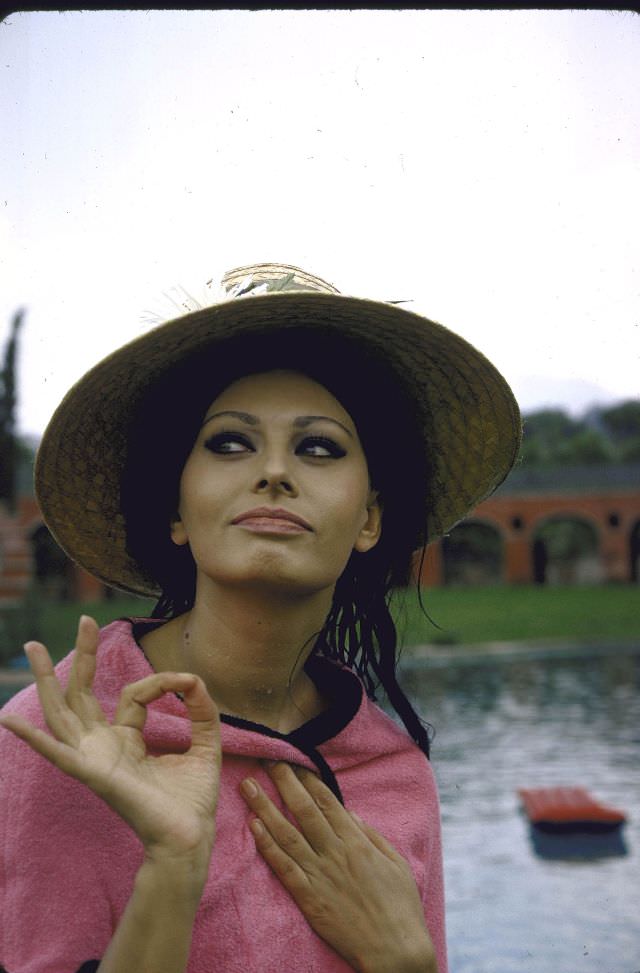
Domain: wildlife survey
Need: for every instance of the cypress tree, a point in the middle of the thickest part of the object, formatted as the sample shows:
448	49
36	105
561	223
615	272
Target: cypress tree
8	398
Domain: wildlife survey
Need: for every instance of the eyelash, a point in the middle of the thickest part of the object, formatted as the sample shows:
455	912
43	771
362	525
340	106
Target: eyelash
216	443
334	450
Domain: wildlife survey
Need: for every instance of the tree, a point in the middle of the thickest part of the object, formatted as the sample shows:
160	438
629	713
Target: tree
623	420
550	424
545	432
8	442
601	437
588	448
622	423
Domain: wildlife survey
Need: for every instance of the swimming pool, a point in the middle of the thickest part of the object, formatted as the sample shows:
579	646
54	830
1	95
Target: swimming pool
532	723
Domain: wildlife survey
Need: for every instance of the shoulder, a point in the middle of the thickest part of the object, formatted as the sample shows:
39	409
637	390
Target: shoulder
371	738
387	779
391	744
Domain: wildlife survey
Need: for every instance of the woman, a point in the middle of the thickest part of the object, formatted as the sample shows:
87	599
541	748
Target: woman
267	467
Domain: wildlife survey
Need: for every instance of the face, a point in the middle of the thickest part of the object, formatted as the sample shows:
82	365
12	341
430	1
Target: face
275	492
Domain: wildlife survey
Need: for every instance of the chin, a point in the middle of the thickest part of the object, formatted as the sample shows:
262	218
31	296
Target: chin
275	575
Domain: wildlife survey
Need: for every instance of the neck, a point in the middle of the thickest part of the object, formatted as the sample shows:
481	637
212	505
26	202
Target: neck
250	648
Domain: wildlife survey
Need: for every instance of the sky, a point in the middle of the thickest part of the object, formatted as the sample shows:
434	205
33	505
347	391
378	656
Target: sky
481	164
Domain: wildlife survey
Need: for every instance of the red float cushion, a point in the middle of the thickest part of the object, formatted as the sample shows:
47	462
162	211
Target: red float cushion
561	805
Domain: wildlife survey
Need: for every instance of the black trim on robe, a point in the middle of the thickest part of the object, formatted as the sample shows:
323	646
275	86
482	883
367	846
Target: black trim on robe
344	692
341	687
90	966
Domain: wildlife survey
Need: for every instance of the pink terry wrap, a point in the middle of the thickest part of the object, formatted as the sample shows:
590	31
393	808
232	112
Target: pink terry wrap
68	862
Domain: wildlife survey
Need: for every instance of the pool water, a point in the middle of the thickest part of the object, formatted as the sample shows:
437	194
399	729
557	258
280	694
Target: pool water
556	905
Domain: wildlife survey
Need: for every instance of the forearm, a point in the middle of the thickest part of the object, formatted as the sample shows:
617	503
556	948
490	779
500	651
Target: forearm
154	934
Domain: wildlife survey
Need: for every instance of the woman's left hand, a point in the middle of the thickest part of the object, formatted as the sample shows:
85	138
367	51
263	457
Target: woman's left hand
351	885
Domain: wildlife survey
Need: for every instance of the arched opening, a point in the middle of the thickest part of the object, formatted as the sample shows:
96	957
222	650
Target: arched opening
472	554
634	552
540	559
52	569
566	551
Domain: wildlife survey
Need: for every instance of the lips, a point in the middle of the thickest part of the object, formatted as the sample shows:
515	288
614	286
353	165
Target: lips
272	520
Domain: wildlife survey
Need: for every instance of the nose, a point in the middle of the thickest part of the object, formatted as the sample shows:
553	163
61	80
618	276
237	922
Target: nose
276	477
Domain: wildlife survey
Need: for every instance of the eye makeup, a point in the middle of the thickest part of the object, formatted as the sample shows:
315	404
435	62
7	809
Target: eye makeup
229	443
311	445
320	447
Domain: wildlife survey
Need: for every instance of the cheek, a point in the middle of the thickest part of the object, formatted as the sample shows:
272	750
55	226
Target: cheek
349	503
197	491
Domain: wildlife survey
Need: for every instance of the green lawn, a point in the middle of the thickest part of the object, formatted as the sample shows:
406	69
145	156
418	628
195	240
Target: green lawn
501	613
465	615
55	623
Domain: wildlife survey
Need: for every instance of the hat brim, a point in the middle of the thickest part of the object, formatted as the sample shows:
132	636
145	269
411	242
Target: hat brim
471	422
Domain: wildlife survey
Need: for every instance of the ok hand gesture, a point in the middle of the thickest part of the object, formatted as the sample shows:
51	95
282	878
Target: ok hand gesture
170	800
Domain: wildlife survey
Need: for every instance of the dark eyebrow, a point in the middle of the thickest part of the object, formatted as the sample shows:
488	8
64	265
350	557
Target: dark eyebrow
303	421
243	416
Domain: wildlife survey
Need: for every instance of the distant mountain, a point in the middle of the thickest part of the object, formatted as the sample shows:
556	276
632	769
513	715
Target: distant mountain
575	395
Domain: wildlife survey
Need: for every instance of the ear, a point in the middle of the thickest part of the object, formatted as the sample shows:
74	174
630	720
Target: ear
178	531
370	533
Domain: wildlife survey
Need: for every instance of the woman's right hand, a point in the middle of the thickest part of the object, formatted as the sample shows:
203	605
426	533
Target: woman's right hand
169	800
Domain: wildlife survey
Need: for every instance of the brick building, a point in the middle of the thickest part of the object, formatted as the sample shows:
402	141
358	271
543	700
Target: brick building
28	553
598	509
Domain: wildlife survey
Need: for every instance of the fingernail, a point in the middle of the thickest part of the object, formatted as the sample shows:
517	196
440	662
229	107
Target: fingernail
257	827
249	787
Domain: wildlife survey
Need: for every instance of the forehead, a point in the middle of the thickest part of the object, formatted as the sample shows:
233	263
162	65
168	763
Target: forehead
282	392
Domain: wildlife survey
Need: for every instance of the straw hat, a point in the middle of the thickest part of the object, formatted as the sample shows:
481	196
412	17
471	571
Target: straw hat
471	422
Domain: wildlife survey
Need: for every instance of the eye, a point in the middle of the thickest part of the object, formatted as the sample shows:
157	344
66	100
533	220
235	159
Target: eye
226	443
320	447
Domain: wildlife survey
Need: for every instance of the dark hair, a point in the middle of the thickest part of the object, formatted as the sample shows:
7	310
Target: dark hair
359	629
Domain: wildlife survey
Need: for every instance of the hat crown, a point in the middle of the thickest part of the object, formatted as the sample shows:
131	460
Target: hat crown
276	277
